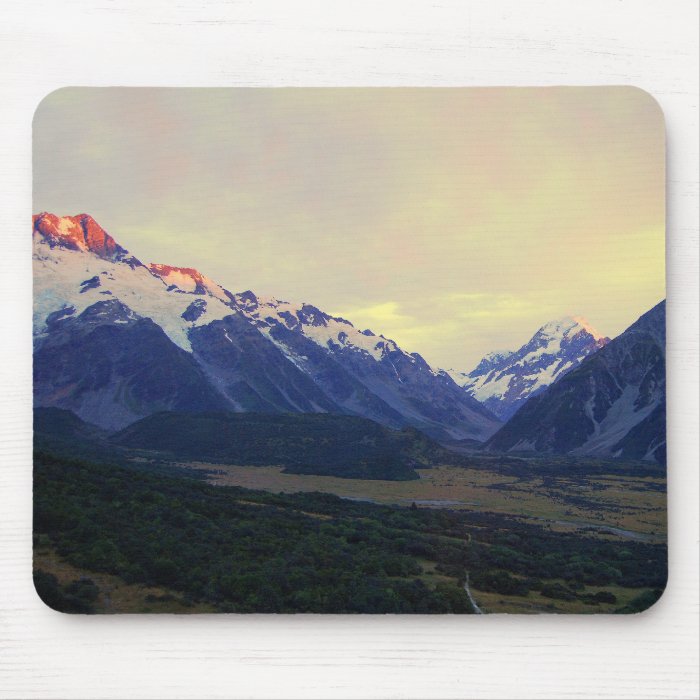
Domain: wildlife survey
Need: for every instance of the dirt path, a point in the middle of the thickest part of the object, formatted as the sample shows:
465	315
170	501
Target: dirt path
477	609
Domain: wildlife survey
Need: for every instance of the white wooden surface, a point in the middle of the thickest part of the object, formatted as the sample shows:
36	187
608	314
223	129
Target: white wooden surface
45	45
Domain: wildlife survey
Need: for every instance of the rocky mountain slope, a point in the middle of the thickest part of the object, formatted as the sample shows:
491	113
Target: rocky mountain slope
613	404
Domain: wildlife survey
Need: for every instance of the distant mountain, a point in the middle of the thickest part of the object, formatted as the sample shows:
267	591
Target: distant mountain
504	381
613	404
116	340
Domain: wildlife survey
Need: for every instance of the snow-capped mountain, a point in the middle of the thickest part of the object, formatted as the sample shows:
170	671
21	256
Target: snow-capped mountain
75	249
613	404
116	340
504	381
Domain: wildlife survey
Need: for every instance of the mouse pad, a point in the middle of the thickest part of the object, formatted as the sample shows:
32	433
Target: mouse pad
368	350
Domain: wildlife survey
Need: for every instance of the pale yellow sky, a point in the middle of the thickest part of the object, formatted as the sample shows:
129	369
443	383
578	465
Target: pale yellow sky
455	221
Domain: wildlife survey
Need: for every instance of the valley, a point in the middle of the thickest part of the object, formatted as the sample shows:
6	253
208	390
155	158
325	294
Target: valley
127	539
635	506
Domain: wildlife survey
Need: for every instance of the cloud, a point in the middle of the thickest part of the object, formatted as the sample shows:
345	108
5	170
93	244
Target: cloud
377	315
481	305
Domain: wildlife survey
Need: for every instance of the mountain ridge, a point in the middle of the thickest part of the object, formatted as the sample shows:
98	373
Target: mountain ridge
257	353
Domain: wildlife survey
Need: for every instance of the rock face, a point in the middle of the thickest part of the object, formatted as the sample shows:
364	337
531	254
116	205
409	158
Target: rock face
613	404
504	381
79	232
111	366
188	280
116	340
252	373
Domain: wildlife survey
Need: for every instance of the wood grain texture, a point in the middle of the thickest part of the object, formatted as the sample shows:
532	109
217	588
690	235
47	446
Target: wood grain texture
45	45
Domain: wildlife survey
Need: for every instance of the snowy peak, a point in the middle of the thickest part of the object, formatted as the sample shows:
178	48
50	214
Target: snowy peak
188	280
566	327
503	381
79	232
565	338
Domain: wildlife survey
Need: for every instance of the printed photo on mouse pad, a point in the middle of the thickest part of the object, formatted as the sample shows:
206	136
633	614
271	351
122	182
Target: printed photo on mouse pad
349	350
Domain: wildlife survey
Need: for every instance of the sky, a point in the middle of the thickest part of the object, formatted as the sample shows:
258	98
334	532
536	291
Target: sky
455	221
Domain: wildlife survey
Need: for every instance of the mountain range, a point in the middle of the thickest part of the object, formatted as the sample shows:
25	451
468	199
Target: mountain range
117	340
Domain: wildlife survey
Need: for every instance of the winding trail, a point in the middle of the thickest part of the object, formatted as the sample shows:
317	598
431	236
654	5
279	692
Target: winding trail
477	609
